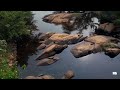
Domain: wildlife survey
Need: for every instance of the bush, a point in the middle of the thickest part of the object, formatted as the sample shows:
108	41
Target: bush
6	72
14	24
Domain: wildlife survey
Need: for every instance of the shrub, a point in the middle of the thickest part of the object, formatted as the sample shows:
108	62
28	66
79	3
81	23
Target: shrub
6	72
14	24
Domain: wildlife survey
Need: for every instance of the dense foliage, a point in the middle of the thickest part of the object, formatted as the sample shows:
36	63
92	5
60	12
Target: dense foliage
14	23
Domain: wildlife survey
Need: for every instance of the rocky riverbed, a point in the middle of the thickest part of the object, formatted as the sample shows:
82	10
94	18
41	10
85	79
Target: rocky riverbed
52	45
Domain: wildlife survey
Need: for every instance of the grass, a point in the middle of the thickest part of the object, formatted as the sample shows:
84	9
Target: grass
7	72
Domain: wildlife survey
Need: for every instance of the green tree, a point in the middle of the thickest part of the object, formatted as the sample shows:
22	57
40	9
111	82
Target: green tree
14	24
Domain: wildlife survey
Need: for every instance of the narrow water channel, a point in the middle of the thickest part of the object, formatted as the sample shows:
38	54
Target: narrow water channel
93	66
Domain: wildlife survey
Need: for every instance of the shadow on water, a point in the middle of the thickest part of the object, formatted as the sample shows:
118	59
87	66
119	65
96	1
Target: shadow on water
26	47
93	66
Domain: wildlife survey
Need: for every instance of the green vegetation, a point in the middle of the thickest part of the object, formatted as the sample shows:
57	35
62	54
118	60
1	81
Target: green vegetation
109	45
6	72
109	16
13	25
24	66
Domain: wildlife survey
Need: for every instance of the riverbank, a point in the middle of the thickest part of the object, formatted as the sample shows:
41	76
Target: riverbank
8	64
14	25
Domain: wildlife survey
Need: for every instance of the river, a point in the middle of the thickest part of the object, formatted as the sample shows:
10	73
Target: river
93	66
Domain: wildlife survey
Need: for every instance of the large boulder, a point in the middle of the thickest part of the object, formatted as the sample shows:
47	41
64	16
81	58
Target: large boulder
65	38
106	29
100	39
84	49
60	18
52	50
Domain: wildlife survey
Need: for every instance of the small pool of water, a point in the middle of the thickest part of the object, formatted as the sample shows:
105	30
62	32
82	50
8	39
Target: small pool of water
93	66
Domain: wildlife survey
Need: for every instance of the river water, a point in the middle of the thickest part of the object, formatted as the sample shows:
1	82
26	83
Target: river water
93	66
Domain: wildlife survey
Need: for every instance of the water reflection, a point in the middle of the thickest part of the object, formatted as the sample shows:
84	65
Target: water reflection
93	66
26	47
78	22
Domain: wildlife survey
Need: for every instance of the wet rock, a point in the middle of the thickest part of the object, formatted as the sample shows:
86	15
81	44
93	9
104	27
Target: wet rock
54	57
107	27
42	46
84	49
45	36
68	75
112	52
47	77
40	77
48	61
100	39
61	18
51	51
65	38
30	77
92	44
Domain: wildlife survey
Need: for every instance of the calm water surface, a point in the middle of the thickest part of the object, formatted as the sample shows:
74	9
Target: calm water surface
93	66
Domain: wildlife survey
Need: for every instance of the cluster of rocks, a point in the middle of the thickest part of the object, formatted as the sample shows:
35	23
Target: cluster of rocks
97	43
68	75
55	43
